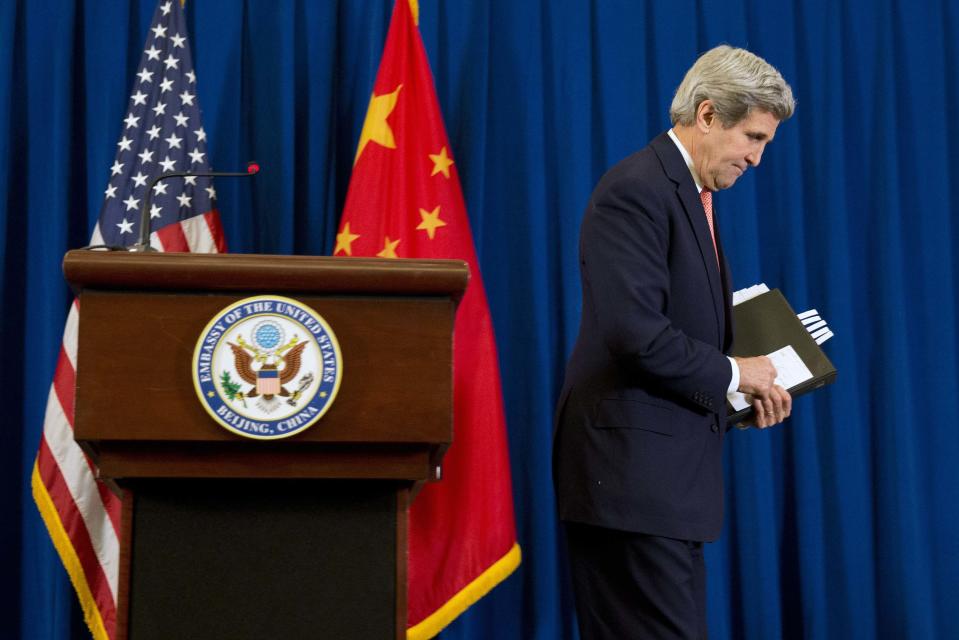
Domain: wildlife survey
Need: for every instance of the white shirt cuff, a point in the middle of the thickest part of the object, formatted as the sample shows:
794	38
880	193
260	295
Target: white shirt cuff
734	383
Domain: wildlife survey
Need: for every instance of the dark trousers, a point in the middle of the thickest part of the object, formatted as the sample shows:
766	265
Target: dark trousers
633	585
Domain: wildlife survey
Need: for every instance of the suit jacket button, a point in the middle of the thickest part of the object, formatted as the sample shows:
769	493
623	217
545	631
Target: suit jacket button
715	429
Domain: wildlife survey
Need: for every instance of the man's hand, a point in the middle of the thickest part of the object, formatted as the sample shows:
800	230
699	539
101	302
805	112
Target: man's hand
772	403
756	375
773	408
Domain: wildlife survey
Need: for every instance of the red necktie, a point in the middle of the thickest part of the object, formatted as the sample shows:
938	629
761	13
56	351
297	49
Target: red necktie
707	197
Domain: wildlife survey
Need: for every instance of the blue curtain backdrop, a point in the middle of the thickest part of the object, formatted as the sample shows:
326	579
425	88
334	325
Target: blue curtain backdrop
841	524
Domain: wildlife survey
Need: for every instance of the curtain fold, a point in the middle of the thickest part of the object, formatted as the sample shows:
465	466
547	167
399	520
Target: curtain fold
842	523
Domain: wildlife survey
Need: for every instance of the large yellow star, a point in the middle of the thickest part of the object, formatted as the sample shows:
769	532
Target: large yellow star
375	127
389	248
431	220
441	163
344	240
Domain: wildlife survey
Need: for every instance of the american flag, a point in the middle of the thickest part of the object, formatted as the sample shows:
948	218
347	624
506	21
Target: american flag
161	132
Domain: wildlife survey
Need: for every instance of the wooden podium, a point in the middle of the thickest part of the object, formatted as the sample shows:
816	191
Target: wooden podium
229	537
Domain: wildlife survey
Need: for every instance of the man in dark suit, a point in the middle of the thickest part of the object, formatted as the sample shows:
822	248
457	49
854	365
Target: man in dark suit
641	417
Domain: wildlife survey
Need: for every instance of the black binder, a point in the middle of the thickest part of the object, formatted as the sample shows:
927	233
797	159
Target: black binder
767	323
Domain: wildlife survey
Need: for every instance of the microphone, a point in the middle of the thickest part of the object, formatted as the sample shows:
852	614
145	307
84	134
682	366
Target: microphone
252	168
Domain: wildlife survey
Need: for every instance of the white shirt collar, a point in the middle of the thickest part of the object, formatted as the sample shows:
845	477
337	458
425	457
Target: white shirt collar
688	158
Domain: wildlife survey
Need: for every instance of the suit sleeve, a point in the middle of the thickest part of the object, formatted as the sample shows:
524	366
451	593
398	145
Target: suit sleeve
624	251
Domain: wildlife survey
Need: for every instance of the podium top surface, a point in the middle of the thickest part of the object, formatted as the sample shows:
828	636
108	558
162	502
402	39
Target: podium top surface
244	272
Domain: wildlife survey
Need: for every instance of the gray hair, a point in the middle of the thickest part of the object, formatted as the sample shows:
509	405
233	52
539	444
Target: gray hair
737	82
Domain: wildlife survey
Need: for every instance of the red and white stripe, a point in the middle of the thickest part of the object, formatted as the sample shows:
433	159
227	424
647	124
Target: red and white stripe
86	512
199	234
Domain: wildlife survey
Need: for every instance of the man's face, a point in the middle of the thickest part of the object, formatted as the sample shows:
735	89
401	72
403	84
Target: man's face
725	154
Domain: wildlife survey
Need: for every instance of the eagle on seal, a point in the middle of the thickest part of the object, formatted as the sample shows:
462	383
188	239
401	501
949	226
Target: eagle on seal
267	381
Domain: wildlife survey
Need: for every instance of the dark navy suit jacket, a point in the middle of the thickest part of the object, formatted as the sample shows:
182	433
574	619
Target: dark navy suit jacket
641	416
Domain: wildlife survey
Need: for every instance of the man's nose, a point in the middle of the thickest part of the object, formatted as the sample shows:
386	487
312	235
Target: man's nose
753	157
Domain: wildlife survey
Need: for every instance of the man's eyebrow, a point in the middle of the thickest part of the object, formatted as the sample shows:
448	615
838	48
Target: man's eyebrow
759	135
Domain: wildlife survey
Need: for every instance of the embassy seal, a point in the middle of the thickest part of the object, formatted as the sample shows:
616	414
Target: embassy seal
267	367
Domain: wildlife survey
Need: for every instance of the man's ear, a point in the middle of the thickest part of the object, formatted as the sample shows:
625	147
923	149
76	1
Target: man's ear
705	115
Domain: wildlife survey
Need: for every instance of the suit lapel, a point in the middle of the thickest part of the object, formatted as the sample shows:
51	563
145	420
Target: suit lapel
678	172
697	219
727	286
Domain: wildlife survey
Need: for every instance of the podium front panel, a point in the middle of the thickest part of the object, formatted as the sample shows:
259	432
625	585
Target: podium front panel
396	386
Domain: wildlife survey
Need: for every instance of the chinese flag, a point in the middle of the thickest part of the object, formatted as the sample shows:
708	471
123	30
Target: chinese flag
404	201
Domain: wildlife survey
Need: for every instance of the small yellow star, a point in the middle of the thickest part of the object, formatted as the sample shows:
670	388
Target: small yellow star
441	163
375	126
389	248
431	220
323	394
344	240
210	394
